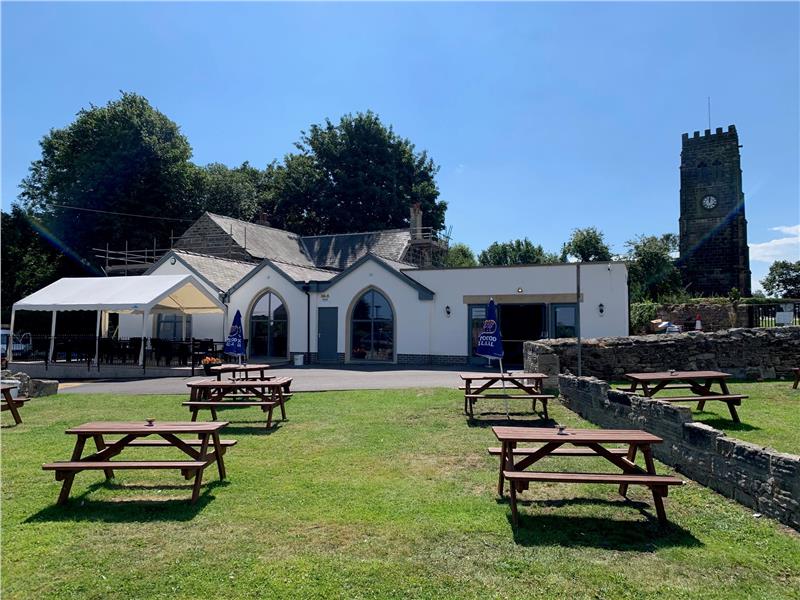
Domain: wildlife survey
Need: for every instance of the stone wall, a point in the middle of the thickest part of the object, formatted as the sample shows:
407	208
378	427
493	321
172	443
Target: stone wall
760	478
713	317
746	353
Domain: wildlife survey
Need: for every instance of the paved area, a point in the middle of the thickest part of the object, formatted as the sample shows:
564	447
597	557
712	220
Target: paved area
306	379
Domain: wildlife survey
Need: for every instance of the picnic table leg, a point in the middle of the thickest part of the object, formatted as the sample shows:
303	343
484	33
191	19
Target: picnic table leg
198	478
732	409
631	456
514	516
279	390
218	450
658	491
12	406
100	444
467	392
70	476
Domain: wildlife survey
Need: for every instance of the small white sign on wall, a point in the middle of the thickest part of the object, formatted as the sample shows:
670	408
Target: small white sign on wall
324	296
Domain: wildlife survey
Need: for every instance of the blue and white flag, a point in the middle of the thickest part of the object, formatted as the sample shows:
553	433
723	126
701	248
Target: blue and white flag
490	342
235	342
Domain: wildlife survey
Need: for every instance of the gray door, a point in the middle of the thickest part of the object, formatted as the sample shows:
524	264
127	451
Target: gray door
327	327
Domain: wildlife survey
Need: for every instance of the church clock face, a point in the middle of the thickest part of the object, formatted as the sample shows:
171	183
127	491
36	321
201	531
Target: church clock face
709	202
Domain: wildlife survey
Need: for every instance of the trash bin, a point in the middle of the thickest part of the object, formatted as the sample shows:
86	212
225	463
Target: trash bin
298	360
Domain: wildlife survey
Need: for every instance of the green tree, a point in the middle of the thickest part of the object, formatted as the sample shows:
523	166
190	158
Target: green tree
516	252
236	192
652	274
783	279
460	255
586	245
355	175
124	157
29	262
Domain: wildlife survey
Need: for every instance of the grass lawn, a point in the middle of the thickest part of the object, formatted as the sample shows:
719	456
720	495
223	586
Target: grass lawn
360	495
770	416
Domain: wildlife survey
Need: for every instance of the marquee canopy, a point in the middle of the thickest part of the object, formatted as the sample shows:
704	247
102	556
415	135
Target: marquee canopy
140	294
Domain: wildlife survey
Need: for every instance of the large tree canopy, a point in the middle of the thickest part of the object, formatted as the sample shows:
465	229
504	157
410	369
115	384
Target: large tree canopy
125	157
586	245
460	255
516	252
355	175
234	192
783	279
652	274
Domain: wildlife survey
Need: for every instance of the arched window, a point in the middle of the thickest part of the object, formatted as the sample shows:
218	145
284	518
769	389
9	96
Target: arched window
269	328
372	328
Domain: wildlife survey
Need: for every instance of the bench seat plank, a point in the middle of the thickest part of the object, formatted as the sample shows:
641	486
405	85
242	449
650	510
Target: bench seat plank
626	478
124	464
509	396
167	444
223	403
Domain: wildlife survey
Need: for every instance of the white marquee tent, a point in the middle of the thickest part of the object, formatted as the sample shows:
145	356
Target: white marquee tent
152	294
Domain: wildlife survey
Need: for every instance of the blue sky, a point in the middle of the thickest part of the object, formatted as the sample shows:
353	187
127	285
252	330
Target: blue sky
543	117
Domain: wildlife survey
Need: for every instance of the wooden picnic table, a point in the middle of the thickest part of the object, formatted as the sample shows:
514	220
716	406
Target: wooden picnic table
530	385
11	403
207	438
263	393
699	383
586	442
238	371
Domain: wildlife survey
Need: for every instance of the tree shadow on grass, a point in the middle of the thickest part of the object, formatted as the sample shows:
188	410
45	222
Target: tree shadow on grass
598	532
80	508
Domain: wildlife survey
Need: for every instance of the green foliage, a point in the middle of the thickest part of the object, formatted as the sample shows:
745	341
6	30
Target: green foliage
586	245
460	255
355	175
641	313
783	279
124	157
652	274
236	192
29	262
516	252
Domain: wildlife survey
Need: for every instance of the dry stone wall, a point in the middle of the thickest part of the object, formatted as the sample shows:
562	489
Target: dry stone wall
762	479
759	353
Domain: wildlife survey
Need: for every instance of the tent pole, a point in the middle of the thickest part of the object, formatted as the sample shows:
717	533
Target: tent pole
97	339
183	327
578	315
9	350
52	335
145	315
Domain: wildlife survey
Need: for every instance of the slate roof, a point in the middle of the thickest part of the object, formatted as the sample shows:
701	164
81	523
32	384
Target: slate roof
339	251
264	242
221	272
301	274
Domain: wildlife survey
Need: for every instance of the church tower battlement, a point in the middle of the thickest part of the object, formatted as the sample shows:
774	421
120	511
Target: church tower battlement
714	256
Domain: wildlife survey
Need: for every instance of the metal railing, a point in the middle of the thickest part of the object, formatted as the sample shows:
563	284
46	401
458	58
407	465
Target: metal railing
773	315
98	353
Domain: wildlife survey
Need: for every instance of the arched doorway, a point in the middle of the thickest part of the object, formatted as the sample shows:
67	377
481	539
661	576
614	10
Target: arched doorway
372	328
269	328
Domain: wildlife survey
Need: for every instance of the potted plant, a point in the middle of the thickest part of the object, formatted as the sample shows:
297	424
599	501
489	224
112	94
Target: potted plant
208	362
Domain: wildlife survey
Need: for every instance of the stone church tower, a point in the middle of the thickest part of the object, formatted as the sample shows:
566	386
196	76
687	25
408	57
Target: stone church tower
714	256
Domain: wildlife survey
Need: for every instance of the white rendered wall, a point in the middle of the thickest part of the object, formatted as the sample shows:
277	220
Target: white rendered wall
604	283
411	315
265	280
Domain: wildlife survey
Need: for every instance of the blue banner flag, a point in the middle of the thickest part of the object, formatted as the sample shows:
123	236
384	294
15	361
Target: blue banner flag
235	342
490	342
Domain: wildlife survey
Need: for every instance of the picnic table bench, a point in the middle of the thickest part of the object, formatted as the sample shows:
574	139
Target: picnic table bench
11	403
526	386
698	382
197	450
263	393
587	442
237	371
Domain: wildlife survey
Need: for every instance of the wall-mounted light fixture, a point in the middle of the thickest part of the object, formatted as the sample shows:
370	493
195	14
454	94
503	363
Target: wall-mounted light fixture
447	310
519	290
601	307
172	260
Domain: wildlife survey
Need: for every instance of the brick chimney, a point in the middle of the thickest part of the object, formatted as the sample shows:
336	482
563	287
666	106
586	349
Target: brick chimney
415	221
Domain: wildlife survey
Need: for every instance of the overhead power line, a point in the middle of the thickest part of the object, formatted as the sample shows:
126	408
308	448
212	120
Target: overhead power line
122	214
